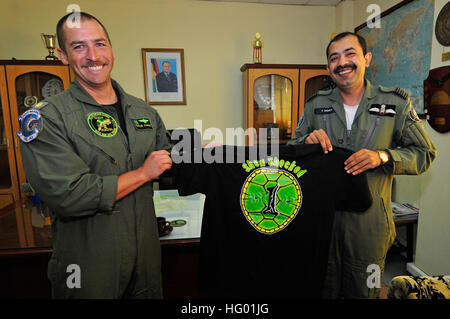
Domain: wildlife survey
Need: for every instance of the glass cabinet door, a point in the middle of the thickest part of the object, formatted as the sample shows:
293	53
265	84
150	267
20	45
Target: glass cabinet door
33	87
316	83
273	105
5	140
30	89
28	85
11	222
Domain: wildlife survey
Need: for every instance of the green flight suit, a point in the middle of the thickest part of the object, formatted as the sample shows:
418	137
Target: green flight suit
385	120
74	168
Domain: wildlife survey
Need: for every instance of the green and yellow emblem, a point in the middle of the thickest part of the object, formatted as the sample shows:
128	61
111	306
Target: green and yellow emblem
102	124
271	198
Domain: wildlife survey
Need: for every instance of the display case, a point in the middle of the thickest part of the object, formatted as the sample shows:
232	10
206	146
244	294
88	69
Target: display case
22	85
275	95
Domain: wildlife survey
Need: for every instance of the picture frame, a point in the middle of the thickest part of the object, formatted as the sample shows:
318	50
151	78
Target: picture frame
164	76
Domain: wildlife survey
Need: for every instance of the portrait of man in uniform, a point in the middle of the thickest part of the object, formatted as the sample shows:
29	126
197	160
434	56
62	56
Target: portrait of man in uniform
166	81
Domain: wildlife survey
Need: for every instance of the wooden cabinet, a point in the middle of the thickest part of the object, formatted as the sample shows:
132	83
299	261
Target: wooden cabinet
22	85
275	95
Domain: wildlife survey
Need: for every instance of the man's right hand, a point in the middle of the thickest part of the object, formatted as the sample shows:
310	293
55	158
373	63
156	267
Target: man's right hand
156	163
320	137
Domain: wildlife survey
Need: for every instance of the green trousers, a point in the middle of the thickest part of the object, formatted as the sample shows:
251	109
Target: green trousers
355	268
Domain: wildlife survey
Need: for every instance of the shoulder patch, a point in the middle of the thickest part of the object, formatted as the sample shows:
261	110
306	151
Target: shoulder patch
30	125
413	114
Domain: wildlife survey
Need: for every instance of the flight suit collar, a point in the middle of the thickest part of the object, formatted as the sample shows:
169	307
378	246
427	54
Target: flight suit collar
79	93
83	96
369	93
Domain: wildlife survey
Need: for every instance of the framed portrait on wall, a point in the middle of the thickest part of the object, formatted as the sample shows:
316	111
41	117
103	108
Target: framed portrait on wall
164	76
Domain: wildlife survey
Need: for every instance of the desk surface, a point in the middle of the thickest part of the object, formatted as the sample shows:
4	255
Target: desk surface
170	205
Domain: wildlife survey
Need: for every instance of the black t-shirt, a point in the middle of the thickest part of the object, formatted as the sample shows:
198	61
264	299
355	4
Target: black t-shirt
118	110
267	221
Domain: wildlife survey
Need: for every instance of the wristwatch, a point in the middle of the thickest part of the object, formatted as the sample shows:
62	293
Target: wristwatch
384	157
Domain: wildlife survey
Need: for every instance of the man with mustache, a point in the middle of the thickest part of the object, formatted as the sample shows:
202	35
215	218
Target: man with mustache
380	125
92	163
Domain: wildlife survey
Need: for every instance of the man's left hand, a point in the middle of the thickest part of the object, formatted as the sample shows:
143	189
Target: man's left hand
362	161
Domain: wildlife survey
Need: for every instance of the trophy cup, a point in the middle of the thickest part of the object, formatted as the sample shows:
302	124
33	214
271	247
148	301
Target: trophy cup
49	42
257	48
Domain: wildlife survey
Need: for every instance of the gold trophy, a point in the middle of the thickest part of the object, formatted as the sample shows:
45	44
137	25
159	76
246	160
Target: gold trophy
50	44
257	48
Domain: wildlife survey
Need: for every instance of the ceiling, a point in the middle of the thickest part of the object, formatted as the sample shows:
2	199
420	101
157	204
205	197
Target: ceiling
290	2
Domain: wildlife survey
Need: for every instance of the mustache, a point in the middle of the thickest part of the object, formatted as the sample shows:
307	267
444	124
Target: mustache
91	64
341	67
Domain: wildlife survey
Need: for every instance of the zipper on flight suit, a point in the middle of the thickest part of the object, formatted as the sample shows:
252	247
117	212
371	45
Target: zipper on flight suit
326	118
371	132
112	159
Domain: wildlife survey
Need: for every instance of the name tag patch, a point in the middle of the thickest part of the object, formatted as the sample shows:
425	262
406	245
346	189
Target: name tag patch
324	110
142	124
382	109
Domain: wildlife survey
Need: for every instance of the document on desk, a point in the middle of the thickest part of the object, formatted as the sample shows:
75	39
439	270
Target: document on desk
170	205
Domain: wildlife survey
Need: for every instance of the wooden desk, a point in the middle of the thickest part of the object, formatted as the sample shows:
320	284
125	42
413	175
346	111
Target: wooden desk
409	223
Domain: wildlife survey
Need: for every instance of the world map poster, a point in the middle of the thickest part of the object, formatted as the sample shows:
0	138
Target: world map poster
401	48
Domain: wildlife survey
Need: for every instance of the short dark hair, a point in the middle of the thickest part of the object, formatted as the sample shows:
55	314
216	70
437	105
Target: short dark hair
361	40
83	16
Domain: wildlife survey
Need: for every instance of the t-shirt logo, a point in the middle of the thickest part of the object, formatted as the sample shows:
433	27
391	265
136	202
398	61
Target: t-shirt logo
102	124
271	197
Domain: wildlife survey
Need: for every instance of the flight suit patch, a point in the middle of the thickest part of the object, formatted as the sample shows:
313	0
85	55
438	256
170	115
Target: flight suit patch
102	124
382	109
30	125
324	110
142	124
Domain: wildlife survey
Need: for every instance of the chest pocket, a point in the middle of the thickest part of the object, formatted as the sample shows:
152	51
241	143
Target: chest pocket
143	137
379	133
324	116
103	155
